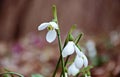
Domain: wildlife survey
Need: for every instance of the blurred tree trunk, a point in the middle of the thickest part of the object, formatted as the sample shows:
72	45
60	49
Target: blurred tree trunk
12	15
18	17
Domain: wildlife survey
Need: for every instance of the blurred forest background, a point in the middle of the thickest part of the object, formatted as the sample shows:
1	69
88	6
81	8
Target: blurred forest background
22	45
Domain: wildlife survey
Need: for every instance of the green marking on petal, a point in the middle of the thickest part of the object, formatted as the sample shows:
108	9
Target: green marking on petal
50	27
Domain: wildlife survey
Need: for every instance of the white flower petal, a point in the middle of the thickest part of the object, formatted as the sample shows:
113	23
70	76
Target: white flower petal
85	61
51	35
68	50
72	70
79	53
54	25
43	26
78	62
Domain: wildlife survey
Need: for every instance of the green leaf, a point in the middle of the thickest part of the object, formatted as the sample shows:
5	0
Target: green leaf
78	38
79	47
72	29
7	75
88	73
69	36
37	75
11	73
86	69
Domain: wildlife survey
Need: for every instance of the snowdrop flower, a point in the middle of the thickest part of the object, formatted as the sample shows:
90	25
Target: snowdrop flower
72	70
82	55
69	49
78	62
51	26
81	60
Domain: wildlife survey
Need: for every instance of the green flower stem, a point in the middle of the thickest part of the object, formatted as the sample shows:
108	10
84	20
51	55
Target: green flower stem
12	73
65	64
60	44
56	67
60	48
55	14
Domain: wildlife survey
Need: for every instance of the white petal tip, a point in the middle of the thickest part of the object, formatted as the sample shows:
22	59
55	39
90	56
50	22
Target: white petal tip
72	70
39	28
43	26
49	41
51	36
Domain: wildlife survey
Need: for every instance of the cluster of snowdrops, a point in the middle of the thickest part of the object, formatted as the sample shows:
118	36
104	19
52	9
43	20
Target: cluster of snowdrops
76	67
69	47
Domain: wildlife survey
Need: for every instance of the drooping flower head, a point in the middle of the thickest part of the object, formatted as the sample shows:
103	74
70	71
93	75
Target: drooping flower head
51	26
68	49
78	63
72	70
80	59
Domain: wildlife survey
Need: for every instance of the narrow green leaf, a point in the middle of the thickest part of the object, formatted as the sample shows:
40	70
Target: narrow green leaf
78	38
70	36
7	75
72	29
12	73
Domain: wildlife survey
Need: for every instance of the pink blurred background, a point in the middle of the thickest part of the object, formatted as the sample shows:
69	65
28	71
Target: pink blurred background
22	45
